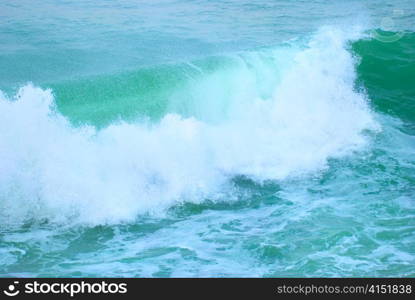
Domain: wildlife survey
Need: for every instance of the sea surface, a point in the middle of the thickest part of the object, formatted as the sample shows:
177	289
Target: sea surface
222	138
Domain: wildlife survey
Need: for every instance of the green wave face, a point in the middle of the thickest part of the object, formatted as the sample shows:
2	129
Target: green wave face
203	88
387	71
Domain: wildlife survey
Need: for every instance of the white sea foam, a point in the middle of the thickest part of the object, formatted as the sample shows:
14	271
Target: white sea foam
50	169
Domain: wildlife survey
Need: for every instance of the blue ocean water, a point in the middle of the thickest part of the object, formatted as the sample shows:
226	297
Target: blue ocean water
177	138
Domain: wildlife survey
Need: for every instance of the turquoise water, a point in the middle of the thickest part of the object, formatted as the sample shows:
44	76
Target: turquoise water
207	139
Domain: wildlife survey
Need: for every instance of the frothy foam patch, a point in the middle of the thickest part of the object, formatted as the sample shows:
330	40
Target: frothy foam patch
51	170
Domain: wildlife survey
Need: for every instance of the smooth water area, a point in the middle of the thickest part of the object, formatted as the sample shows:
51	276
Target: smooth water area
207	138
